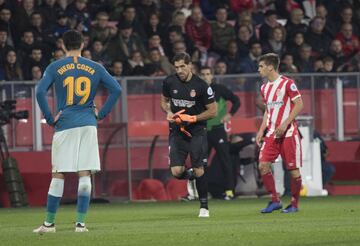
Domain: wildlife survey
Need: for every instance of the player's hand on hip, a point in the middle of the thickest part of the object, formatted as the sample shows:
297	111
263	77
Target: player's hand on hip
281	129
226	118
96	112
57	117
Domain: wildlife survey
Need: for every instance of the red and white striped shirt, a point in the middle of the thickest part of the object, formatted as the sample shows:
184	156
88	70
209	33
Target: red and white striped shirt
278	97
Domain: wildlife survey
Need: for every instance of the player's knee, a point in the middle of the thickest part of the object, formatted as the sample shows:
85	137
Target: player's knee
177	172
84	188
199	172
295	173
264	168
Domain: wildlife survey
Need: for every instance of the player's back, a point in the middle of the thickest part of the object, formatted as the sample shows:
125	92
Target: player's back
76	80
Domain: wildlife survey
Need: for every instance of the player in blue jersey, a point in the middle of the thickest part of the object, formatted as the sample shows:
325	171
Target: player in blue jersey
74	144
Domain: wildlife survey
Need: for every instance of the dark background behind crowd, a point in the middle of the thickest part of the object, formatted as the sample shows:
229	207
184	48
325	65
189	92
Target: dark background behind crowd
140	37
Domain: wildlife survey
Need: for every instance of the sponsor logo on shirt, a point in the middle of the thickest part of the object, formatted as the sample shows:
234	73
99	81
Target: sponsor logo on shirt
275	104
182	103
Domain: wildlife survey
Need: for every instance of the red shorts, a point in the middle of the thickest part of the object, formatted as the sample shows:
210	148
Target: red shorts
289	148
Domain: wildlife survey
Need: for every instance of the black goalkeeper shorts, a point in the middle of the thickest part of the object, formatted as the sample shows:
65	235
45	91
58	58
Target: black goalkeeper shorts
180	146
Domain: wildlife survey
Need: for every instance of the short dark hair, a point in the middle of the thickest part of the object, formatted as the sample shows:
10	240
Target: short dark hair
270	59
73	40
181	56
207	68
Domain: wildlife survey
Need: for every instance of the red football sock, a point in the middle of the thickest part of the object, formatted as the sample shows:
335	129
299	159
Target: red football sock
268	180
295	190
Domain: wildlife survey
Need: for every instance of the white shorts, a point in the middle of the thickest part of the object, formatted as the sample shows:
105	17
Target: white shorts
75	150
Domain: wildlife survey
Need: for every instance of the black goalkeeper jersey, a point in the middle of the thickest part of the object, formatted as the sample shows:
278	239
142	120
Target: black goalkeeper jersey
192	95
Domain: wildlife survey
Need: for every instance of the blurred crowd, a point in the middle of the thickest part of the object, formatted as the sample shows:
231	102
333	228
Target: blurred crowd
140	37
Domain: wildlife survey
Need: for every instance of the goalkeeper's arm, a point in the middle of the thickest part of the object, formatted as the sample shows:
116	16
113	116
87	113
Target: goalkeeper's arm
209	113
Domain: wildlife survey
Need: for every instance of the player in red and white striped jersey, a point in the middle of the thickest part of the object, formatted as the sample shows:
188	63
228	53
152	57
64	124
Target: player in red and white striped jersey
278	133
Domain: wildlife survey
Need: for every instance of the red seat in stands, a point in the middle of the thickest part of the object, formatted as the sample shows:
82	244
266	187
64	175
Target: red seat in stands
151	189
176	189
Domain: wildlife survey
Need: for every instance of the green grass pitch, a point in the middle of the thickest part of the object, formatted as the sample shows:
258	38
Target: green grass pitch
321	221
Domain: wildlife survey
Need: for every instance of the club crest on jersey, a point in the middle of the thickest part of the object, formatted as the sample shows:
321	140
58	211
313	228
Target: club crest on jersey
209	91
175	91
193	93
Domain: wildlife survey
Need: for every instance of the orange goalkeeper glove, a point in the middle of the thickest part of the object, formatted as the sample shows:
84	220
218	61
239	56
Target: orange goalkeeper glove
179	117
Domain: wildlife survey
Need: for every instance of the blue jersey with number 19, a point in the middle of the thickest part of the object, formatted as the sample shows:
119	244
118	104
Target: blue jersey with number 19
76	80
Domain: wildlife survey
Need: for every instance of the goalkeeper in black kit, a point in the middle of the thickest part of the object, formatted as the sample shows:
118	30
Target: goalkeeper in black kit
188	102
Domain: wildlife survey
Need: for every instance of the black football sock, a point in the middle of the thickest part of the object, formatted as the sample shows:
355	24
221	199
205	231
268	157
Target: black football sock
202	188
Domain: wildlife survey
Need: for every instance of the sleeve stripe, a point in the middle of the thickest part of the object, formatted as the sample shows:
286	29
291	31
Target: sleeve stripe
295	97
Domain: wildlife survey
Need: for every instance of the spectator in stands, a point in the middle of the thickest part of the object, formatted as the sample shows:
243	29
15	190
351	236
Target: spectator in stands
99	54
250	63
239	6
232	58
295	23
135	64
62	25
346	17
317	38
144	9
12	68
22	15
330	28
116	68
155	42
168	8
26	45
153	26
336	53
102	30
328	64
36	59
129	16
318	65
41	33
276	42
199	30
117	9
78	13
270	22
222	32
4	47
350	42
220	67
86	53
124	43
293	47
49	10
305	62
179	19
36	73
245	19
160	65
287	64
244	40
58	54
175	35
7	23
